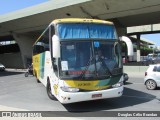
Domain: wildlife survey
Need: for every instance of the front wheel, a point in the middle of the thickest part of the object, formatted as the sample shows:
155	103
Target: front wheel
26	74
151	85
50	95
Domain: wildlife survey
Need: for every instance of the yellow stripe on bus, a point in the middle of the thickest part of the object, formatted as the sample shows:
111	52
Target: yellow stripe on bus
80	20
86	85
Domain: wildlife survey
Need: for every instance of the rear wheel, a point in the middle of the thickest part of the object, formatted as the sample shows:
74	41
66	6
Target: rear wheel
38	81
151	85
26	74
37	78
50	95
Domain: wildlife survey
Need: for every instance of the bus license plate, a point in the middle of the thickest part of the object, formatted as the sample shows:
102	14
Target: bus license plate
96	95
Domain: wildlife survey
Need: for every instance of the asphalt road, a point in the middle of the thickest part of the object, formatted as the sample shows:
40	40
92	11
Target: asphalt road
24	93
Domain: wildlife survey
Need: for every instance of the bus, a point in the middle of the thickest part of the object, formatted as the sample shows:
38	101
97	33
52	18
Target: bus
79	60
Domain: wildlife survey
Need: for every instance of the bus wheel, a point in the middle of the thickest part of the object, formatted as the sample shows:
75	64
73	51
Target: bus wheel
50	95
37	79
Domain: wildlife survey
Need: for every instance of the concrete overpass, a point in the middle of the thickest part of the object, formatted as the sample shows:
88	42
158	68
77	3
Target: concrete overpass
25	25
144	29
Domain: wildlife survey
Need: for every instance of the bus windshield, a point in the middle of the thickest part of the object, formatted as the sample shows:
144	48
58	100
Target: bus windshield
89	59
88	51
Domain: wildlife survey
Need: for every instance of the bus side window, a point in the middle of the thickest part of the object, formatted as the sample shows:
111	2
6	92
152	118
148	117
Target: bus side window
34	50
51	33
45	38
37	49
43	44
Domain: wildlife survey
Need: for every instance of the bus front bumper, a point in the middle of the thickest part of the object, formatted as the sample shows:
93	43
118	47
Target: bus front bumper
72	97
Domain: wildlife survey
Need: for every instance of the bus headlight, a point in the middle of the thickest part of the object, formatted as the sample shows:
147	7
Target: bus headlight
119	84
69	89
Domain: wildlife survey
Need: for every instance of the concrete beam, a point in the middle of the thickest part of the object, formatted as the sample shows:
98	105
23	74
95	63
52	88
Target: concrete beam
144	29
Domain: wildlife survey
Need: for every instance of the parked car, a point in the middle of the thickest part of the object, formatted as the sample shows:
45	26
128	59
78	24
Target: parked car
152	77
158	58
2	67
150	59
125	78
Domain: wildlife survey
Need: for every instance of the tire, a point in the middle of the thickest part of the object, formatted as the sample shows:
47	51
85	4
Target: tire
151	84
26	74
124	82
49	93
37	78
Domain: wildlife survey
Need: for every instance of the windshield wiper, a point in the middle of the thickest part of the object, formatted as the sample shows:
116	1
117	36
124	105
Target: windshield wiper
104	65
86	68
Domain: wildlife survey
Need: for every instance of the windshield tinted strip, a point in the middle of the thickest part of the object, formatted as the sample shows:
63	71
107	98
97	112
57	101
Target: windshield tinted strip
74	31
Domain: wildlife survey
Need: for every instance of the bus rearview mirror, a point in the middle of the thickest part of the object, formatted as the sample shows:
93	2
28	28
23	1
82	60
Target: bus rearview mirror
55	46
129	44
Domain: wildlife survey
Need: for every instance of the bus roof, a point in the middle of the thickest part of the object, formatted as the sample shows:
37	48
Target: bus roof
80	20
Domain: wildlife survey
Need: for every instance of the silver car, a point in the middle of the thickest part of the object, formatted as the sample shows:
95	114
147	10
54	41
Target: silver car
152	77
2	67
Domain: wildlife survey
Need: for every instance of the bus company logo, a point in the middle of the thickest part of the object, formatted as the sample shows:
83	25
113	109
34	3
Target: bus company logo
6	114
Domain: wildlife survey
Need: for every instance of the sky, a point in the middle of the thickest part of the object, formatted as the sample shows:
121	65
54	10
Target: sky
7	6
153	37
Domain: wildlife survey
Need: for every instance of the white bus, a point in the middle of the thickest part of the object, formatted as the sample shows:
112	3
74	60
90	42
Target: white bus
79	60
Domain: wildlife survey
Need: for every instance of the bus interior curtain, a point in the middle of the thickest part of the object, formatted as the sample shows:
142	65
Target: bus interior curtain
74	31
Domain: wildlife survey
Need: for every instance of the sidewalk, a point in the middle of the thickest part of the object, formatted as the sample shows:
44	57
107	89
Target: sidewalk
15	70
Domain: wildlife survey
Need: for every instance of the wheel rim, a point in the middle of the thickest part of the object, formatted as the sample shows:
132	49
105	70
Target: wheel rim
151	84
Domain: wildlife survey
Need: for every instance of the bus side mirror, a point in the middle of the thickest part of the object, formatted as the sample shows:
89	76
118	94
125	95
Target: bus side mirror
129	44
54	64
55	46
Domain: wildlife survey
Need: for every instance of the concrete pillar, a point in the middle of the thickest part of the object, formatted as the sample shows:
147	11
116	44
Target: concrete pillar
138	48
25	42
121	31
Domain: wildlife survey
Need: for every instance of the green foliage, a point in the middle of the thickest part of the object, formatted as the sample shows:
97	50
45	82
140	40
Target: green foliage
145	51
